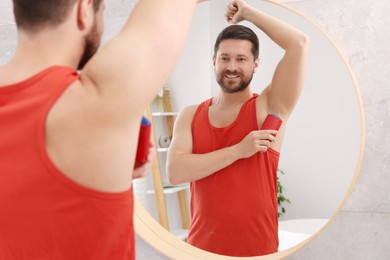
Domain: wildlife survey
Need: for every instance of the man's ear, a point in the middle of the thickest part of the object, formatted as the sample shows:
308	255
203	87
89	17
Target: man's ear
257	63
85	14
214	58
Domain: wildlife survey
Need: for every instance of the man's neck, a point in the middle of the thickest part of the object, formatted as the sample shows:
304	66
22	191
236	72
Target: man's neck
231	99
37	52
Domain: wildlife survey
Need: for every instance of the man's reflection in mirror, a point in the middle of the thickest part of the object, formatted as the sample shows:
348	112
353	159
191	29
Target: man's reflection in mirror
218	145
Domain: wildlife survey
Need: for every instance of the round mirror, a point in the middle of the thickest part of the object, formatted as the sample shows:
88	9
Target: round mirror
324	139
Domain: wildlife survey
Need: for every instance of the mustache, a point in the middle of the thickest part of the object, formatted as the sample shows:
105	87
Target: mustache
232	72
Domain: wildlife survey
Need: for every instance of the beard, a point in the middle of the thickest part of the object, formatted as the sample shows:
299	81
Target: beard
91	45
230	87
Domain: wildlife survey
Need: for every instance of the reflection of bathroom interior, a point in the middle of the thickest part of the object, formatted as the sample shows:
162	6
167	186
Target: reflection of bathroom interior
316	189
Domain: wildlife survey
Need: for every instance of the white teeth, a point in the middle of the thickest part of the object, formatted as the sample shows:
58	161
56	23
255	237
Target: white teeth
232	76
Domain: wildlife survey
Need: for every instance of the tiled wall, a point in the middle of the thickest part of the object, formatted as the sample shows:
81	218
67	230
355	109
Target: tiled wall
361	29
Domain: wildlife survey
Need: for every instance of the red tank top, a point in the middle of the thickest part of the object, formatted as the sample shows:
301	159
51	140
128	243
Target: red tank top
234	210
44	214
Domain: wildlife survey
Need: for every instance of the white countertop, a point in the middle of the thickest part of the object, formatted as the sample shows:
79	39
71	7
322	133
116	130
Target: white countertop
294	231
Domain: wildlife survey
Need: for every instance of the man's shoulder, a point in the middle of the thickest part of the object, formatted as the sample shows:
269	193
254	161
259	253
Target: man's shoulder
189	110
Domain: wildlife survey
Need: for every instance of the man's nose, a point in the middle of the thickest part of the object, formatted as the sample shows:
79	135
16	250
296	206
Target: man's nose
232	66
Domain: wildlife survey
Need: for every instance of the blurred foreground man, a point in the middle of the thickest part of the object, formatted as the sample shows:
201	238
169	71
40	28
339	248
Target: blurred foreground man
67	139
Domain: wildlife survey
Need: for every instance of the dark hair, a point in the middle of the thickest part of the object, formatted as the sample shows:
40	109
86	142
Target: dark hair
238	32
33	15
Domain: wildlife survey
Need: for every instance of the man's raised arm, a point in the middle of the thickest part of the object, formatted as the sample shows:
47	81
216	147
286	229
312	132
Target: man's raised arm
283	92
127	73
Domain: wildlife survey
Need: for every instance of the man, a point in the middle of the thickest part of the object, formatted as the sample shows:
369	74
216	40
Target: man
218	147
68	140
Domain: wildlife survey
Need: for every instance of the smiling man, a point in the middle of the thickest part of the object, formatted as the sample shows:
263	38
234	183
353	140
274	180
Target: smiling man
218	147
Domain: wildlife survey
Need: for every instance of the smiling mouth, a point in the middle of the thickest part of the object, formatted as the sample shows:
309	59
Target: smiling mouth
231	76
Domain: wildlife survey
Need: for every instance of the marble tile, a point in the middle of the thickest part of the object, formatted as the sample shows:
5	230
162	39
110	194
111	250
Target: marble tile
8	36
6	12
352	235
371	192
115	8
145	251
112	26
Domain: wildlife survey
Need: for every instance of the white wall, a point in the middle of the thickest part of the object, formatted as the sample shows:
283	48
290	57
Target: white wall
190	81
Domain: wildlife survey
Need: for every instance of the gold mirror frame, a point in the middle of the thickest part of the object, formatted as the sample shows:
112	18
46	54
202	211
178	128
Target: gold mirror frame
167	244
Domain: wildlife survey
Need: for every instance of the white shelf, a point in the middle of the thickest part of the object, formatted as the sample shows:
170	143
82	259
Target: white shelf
171	189
165	113
181	234
174	189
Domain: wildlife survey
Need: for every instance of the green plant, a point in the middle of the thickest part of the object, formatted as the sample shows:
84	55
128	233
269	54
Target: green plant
281	198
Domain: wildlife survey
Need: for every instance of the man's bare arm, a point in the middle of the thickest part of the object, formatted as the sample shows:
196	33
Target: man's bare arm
284	91
184	166
92	129
126	74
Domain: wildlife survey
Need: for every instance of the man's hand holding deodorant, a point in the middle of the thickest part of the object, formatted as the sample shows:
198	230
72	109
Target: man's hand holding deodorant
271	122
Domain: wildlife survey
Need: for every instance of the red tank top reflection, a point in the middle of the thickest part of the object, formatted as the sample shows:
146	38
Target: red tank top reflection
44	214
234	211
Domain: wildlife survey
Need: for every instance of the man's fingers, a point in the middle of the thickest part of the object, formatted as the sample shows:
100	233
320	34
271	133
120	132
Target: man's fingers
267	134
270	131
264	143
231	10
